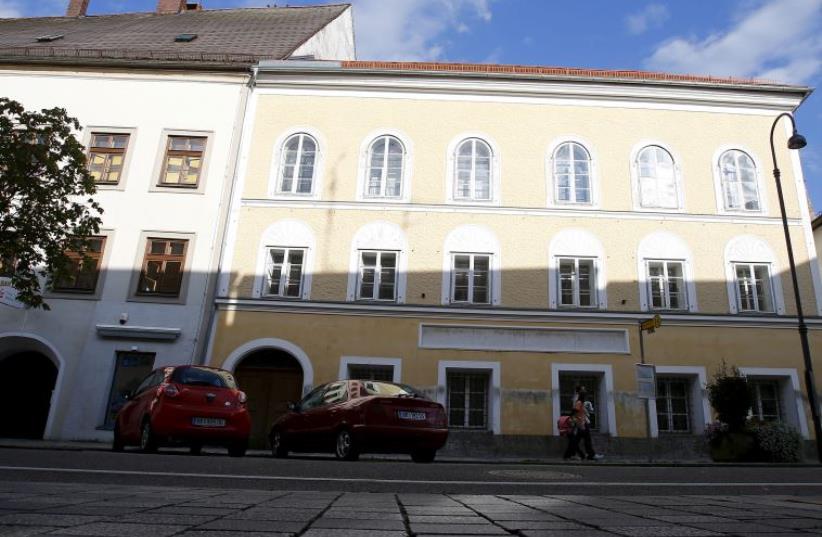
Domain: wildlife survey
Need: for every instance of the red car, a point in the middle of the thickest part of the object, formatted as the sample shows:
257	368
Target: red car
189	405
349	417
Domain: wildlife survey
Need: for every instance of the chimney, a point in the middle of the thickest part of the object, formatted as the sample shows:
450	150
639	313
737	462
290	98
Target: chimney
165	7
77	8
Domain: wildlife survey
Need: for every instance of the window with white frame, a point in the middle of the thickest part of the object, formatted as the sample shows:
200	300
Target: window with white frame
740	189
471	279
657	178
386	160
572	174
284	272
568	383
298	165
577	282
754	292
766	404
467	401
666	285
371	372
673	414
377	276
473	170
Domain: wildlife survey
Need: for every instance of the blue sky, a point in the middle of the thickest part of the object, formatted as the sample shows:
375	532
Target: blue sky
774	39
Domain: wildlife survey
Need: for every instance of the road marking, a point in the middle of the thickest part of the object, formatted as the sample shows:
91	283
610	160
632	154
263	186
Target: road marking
399	481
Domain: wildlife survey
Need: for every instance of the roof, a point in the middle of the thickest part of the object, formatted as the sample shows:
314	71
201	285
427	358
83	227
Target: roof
236	37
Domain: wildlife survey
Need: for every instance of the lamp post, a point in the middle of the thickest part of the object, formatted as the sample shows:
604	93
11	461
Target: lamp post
797	141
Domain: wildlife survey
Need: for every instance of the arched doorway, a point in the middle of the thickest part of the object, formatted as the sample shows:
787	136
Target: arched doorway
271	378
27	380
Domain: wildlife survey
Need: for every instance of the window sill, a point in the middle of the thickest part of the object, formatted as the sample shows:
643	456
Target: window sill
157	299
68	295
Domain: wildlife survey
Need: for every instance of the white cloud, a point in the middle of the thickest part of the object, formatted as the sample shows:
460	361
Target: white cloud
416	30
9	9
653	16
780	40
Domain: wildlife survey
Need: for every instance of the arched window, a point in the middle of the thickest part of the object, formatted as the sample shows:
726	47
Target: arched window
657	178
386	160
473	170
739	185
298	165
572	174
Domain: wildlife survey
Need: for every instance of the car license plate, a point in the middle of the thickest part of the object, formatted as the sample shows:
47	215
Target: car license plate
208	422
405	415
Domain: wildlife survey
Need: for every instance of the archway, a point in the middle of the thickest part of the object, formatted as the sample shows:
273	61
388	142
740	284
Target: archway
271	378
27	380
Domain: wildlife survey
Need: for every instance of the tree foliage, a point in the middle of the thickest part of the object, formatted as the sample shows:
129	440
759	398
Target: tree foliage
46	206
730	396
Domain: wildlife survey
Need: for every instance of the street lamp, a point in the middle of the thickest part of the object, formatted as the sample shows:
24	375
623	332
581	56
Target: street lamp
797	141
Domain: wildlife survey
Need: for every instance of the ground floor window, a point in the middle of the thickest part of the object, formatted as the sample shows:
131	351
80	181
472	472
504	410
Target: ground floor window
766	404
371	372
567	392
468	399
129	369
673	405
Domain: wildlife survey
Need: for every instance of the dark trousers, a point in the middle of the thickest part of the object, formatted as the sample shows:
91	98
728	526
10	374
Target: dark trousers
573	444
585	436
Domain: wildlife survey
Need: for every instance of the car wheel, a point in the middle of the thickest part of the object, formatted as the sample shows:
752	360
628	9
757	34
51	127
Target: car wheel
117	444
345	448
195	449
278	447
423	455
238	449
148	444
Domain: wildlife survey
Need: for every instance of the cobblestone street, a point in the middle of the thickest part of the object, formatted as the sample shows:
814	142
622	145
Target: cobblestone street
28	508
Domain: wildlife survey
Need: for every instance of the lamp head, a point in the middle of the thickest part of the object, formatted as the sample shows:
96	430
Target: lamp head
797	141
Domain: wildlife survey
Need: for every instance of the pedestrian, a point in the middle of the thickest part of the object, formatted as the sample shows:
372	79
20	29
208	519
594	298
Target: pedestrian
578	418
587	409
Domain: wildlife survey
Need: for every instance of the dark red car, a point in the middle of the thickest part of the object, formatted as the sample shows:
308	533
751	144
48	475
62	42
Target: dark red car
349	417
189	405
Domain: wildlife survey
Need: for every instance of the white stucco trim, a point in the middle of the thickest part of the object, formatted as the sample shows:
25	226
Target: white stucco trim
56	396
581	243
606	393
495	391
276	165
665	246
752	249
472	239
247	348
395	363
791	392
700	406
383	236
407	166
717	176
593	171
287	233
635	193
450	169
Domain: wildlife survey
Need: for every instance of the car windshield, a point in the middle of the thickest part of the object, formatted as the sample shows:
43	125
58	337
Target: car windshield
201	376
388	389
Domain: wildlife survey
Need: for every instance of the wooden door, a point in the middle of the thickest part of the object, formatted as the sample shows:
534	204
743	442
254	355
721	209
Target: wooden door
269	391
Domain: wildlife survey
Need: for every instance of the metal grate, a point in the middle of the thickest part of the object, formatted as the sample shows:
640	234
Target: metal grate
673	405
468	400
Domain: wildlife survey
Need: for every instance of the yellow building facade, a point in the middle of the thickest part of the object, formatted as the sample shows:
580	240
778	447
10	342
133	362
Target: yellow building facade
493	236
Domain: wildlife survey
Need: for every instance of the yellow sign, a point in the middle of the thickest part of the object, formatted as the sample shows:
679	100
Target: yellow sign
652	323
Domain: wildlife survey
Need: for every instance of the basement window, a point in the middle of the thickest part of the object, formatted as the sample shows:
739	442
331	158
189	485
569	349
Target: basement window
49	38
185	38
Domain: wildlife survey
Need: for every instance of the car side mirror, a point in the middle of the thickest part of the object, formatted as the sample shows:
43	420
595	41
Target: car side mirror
294	407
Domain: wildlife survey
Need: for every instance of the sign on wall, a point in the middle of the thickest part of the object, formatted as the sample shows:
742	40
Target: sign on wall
646	381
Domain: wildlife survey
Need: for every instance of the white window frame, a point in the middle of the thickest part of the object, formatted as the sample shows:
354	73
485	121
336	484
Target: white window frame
472	256
749	249
378	275
607	414
471	238
378	236
346	361
580	243
669	411
576	289
700	406
718	182
365	166
277	165
284	273
494	389
793	406
663	245
635	182
467	407
752	268
451	171
666	292
551	183
756	405
286	233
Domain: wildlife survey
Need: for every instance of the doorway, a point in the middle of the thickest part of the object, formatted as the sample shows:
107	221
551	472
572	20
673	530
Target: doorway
27	381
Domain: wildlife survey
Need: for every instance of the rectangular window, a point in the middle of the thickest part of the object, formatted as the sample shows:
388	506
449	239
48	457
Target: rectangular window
106	156
567	394
371	372
577	282
284	272
163	266
130	368
753	286
183	161
666	285
467	400
83	269
673	405
471	279
766	404
378	276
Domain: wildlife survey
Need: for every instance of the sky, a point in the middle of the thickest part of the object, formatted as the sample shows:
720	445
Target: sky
772	39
